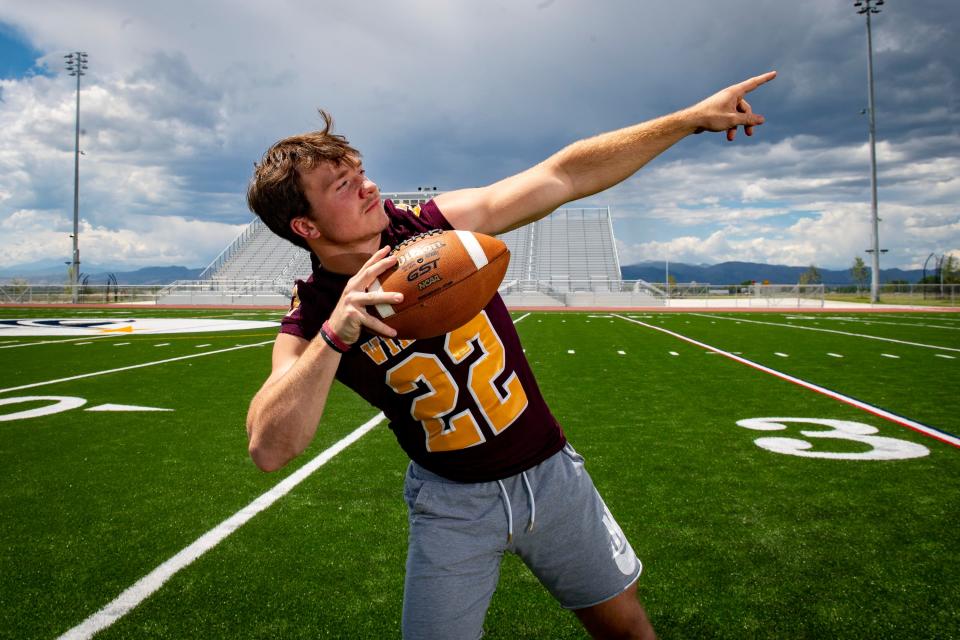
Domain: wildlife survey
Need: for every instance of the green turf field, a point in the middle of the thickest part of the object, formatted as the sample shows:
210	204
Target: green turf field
737	540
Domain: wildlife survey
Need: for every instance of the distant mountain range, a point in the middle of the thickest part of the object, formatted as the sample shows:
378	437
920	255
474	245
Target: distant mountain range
146	275
737	272
723	273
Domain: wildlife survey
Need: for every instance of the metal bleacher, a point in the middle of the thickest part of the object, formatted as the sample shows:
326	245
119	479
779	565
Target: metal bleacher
260	255
568	258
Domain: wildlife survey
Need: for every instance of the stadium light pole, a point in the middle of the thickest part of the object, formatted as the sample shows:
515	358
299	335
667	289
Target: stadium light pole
76	63
868	7
666	275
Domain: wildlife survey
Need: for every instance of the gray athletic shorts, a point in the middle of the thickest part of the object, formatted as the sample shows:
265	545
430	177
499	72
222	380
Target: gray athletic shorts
459	531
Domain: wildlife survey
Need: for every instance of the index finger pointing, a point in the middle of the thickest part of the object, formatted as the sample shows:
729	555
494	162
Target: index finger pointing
749	85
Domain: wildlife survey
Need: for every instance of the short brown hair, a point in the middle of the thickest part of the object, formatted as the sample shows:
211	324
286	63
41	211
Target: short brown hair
276	193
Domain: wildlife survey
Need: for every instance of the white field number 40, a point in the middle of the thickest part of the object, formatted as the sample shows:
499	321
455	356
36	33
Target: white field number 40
881	448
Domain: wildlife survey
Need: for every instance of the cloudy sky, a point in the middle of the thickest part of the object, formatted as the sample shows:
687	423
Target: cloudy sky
182	97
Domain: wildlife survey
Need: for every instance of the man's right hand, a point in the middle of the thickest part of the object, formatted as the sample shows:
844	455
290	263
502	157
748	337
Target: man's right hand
350	315
728	109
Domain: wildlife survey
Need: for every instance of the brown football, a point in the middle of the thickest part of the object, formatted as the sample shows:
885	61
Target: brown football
446	278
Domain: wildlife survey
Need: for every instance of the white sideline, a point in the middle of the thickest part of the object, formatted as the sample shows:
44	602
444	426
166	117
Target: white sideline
147	585
843	333
133	366
919	427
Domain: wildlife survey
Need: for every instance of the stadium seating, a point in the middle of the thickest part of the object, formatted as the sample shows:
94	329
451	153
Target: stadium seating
568	258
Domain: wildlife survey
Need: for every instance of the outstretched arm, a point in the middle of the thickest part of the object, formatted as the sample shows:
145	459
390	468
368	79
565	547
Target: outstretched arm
594	164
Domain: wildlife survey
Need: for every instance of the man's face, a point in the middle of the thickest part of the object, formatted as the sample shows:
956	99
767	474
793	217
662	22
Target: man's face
344	204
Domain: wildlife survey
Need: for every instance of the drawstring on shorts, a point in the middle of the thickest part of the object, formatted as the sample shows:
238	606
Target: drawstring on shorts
509	507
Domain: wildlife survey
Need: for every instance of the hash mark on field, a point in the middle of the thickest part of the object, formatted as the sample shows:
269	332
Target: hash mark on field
890	355
132	367
162	344
120	344
843	333
943	355
834	355
782	355
571	351
933	432
201	346
673	353
623	353
80	344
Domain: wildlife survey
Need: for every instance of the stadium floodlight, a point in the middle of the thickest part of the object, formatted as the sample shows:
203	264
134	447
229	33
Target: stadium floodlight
76	64
868	7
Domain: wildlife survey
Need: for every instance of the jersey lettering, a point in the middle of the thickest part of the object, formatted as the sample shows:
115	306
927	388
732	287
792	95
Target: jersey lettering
374	348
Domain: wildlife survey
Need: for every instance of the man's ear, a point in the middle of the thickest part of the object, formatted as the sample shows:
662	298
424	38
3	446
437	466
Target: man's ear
304	227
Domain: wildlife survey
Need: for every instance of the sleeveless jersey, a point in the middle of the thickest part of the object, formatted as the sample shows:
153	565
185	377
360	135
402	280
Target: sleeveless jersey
464	405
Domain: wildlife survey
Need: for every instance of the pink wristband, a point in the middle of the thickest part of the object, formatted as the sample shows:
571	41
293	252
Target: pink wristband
332	339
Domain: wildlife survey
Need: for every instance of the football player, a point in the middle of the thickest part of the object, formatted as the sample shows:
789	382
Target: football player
491	471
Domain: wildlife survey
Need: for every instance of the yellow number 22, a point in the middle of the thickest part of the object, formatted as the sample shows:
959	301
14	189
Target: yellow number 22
498	409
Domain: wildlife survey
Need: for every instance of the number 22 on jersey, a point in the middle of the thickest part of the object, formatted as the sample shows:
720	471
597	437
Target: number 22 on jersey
497	409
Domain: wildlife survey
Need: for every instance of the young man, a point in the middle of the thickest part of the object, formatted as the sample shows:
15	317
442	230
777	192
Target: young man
485	450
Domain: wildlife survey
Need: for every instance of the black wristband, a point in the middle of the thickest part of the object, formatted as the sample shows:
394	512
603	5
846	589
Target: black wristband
330	341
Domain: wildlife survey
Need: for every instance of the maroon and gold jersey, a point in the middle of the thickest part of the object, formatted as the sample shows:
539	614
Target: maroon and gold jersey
464	405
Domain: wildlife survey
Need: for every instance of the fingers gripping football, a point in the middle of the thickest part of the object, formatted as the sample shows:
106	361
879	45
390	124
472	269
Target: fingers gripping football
350	315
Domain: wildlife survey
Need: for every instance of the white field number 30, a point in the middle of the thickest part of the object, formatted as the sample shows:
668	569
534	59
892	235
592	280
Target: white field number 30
881	448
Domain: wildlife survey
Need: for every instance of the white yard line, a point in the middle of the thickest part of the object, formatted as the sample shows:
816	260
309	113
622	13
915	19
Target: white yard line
134	366
892	324
150	583
914	317
146	586
927	430
843	333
